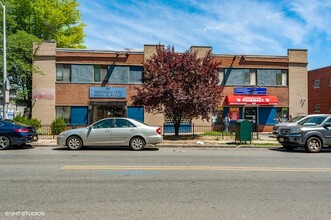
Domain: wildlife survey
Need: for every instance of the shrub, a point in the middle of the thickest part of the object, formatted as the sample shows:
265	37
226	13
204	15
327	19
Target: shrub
25	120
21	119
58	125
35	123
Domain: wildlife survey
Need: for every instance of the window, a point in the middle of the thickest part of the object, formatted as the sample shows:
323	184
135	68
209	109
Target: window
317	108
221	77
238	77
100	73
269	77
107	123
81	73
63	73
122	123
63	112
282	114
84	73
125	74
316	83
330	81
312	121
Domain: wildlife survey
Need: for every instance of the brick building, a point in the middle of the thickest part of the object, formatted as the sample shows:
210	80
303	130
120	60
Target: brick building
86	85
319	91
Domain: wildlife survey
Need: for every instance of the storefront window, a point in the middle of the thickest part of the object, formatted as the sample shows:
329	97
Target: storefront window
217	116
63	112
282	115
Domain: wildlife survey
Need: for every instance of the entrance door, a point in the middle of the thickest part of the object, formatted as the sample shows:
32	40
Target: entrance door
102	110
250	114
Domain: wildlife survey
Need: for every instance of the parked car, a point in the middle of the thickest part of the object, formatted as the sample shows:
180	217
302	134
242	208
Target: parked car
32	129
112	132
13	134
312	133
290	122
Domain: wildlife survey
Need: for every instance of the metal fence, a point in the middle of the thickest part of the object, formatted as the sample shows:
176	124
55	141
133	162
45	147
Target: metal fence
45	131
189	131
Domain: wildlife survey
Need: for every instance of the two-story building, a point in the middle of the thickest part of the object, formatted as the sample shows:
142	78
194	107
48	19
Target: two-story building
83	86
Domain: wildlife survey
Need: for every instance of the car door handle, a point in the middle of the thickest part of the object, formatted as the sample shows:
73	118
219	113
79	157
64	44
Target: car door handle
133	130
107	131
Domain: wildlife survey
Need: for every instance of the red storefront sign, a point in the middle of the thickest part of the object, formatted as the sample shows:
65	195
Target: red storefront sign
251	100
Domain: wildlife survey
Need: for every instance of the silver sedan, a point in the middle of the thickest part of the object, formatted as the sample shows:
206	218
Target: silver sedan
112	132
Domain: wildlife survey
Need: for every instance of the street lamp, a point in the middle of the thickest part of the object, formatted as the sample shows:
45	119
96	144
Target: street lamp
4	83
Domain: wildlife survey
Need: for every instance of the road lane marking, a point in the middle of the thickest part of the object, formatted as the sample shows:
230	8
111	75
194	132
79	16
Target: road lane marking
200	168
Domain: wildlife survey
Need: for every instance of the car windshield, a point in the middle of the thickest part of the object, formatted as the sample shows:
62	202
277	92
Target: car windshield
295	119
312	121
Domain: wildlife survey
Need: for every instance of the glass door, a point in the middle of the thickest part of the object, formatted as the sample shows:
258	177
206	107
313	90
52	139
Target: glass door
250	114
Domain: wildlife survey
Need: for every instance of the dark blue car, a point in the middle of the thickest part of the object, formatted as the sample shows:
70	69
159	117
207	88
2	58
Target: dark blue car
13	135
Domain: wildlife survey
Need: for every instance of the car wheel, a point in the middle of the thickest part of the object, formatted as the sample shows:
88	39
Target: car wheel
4	142
287	147
313	145
137	143
74	143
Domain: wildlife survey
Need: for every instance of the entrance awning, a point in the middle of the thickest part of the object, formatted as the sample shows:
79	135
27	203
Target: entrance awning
251	100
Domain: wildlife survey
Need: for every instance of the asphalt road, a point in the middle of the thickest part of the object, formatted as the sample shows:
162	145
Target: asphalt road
167	183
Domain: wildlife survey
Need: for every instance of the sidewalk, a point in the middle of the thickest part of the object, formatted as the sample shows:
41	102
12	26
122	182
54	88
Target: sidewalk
265	139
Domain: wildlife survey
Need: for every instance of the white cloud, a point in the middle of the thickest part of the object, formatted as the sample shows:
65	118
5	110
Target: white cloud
239	27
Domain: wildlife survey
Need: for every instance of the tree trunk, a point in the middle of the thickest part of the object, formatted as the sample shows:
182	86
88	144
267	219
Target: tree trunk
176	127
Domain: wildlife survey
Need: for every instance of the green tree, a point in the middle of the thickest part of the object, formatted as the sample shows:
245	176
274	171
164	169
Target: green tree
20	57
58	20
179	85
29	21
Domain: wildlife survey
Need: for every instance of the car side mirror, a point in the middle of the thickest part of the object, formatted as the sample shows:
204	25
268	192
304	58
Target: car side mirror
327	125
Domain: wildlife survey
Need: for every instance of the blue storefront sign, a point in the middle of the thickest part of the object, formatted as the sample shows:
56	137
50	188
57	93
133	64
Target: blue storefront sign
107	92
250	91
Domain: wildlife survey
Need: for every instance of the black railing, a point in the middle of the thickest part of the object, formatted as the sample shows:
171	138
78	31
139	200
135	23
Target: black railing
188	131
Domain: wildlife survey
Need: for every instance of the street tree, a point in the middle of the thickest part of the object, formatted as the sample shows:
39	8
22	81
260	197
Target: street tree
29	22
20	57
179	85
58	20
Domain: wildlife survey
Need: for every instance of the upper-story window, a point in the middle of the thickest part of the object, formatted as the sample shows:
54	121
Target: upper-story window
316	83
237	76
100	73
252	77
84	73
125	74
63	72
329	81
271	77
317	108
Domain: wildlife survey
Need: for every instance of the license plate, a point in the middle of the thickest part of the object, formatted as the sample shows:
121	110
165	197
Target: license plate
281	139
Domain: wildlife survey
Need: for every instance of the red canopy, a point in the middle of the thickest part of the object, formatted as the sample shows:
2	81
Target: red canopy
251	100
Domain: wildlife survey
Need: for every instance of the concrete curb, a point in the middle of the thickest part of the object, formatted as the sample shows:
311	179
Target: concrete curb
205	146
265	142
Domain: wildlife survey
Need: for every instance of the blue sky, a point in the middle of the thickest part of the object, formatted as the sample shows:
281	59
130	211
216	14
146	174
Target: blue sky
268	27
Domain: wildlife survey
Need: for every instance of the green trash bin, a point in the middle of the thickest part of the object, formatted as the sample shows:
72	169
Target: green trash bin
243	130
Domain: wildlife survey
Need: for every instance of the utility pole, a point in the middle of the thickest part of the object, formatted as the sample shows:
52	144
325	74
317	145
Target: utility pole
4	83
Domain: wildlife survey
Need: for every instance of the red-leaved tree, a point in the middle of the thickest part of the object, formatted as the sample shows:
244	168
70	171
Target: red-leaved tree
179	85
